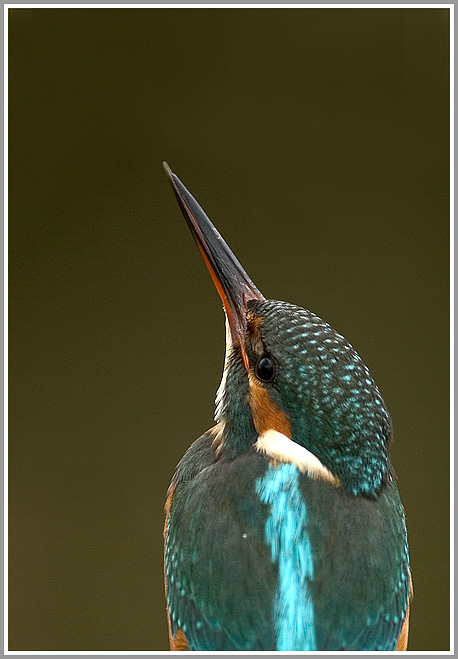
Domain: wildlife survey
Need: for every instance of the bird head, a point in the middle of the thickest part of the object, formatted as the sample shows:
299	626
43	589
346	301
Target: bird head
292	387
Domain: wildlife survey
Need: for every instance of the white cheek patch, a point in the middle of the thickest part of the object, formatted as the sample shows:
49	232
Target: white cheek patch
279	447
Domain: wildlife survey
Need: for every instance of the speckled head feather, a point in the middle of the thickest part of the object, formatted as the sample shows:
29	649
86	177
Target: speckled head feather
322	387
335	409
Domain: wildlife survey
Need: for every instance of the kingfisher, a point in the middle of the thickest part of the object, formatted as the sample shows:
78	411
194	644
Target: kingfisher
284	527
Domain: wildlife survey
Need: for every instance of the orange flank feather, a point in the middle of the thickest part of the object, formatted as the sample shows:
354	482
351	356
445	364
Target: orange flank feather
168	503
179	642
403	638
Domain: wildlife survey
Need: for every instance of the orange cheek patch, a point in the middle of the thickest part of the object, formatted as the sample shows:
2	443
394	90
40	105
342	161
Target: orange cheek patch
266	414
254	323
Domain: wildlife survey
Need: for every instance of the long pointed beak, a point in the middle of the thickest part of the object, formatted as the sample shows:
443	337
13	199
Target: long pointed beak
232	282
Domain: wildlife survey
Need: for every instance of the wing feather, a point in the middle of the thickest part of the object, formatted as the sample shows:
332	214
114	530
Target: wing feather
221	579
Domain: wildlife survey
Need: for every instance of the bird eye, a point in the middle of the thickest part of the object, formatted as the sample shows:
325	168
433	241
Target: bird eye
265	369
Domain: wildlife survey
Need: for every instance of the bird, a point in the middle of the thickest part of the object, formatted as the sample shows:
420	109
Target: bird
284	526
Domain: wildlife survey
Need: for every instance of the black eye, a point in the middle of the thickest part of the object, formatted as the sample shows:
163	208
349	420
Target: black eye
265	369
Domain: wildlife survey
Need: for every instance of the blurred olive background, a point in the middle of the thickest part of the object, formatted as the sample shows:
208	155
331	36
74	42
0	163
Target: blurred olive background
318	142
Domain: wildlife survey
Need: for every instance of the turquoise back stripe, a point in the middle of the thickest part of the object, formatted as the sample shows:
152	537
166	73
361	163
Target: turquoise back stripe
286	533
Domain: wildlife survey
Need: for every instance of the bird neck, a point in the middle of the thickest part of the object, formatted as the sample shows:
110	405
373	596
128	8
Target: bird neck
233	414
359	458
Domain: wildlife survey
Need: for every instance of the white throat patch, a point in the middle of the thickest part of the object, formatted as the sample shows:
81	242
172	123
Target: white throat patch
279	447
219	400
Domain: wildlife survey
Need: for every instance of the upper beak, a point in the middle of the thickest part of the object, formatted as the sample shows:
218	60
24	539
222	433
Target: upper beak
231	280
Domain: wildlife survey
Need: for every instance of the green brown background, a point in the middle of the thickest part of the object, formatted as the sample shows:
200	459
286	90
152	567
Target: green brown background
318	142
